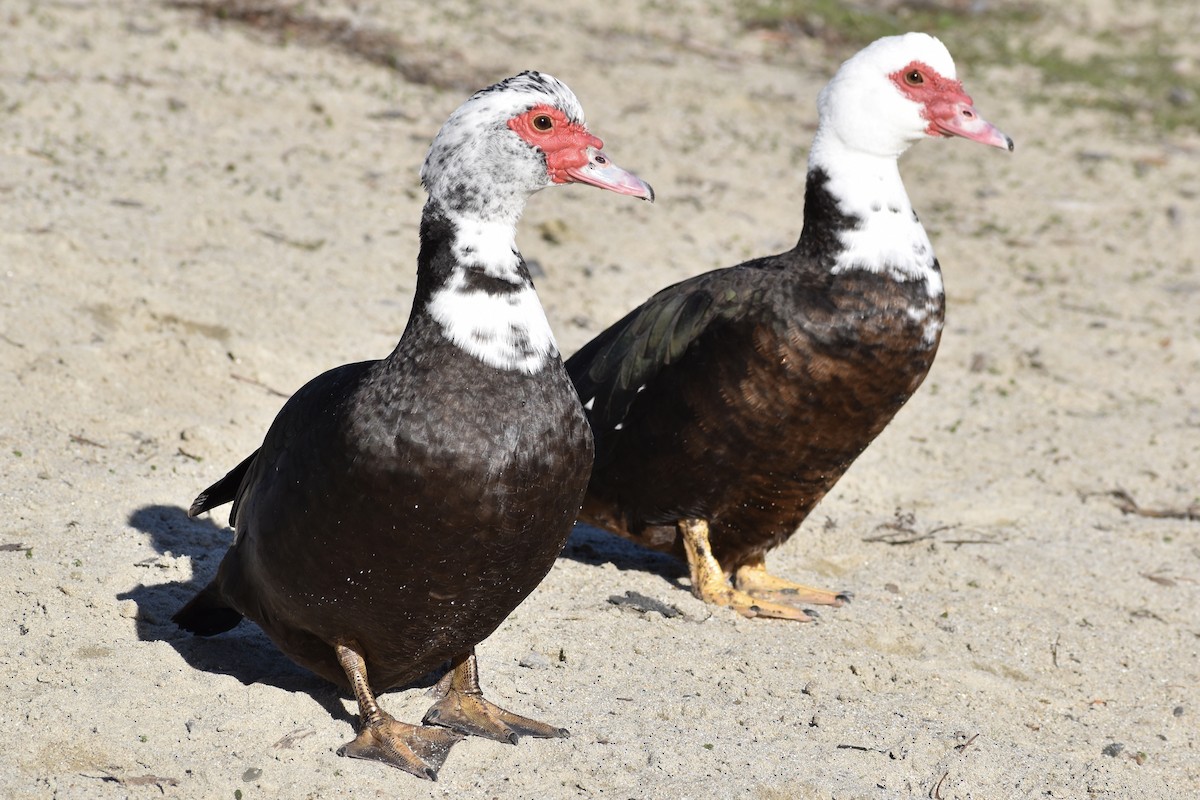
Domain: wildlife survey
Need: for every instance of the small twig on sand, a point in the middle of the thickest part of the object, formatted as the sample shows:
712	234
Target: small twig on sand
289	741
1127	505
139	780
77	439
902	530
935	793
970	541
310	245
896	537
967	743
260	384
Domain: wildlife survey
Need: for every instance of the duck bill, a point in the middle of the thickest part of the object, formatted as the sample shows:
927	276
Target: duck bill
602	172
961	119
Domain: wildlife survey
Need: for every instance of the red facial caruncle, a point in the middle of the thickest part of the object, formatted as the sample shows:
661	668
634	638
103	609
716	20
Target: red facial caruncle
565	143
948	109
572	154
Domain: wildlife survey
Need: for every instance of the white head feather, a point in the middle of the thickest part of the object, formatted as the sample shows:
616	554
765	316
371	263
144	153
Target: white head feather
866	123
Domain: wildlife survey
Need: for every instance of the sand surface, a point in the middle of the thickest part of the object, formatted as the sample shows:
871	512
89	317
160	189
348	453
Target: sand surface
196	218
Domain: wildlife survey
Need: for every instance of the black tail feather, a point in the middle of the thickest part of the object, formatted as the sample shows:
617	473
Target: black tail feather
207	614
223	491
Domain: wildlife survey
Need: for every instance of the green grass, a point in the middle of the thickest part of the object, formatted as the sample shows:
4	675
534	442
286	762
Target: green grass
1143	83
1135	74
855	24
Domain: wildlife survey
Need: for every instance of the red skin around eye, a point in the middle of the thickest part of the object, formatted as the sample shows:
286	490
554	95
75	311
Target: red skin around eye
565	144
936	91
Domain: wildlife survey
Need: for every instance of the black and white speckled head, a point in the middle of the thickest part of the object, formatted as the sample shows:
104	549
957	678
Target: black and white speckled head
493	152
506	142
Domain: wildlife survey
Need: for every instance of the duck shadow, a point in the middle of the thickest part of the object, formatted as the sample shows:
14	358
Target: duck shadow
244	653
594	546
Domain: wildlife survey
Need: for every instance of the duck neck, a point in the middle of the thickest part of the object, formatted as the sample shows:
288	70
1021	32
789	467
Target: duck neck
474	285
857	215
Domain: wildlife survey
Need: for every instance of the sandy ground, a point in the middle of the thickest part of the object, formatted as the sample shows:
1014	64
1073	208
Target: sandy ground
195	219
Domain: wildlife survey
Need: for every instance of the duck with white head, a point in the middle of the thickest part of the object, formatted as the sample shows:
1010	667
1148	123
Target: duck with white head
726	406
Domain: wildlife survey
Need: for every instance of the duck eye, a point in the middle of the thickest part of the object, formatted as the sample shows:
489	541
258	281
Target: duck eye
914	78
542	122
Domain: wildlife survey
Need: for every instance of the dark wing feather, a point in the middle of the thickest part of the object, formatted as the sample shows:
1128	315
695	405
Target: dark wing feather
609	370
313	401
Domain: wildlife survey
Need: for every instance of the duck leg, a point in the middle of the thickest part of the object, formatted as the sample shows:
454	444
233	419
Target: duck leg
711	584
413	748
753	579
462	707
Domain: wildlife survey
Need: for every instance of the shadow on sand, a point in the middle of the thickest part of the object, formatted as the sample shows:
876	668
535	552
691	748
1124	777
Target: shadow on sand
244	653
589	545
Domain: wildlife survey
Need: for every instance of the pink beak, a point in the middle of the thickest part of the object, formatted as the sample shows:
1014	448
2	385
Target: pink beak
961	119
601	171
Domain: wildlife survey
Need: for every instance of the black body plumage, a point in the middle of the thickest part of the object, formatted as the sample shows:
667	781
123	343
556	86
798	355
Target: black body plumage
408	504
742	395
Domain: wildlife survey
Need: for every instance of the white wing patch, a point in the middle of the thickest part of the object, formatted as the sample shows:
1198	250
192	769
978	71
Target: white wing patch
507	331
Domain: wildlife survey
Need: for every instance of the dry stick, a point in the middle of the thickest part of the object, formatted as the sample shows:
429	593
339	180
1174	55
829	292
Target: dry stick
1127	505
936	792
890	538
966	744
77	439
896	528
258	383
309	245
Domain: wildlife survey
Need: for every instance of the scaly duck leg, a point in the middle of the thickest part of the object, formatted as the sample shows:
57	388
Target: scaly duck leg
462	708
413	748
753	579
711	584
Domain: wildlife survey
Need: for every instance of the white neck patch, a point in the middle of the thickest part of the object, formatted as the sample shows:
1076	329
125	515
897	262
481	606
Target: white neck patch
490	246
889	239
508	331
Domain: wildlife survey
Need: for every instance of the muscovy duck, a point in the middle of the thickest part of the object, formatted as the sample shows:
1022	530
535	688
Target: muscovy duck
726	406
398	510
